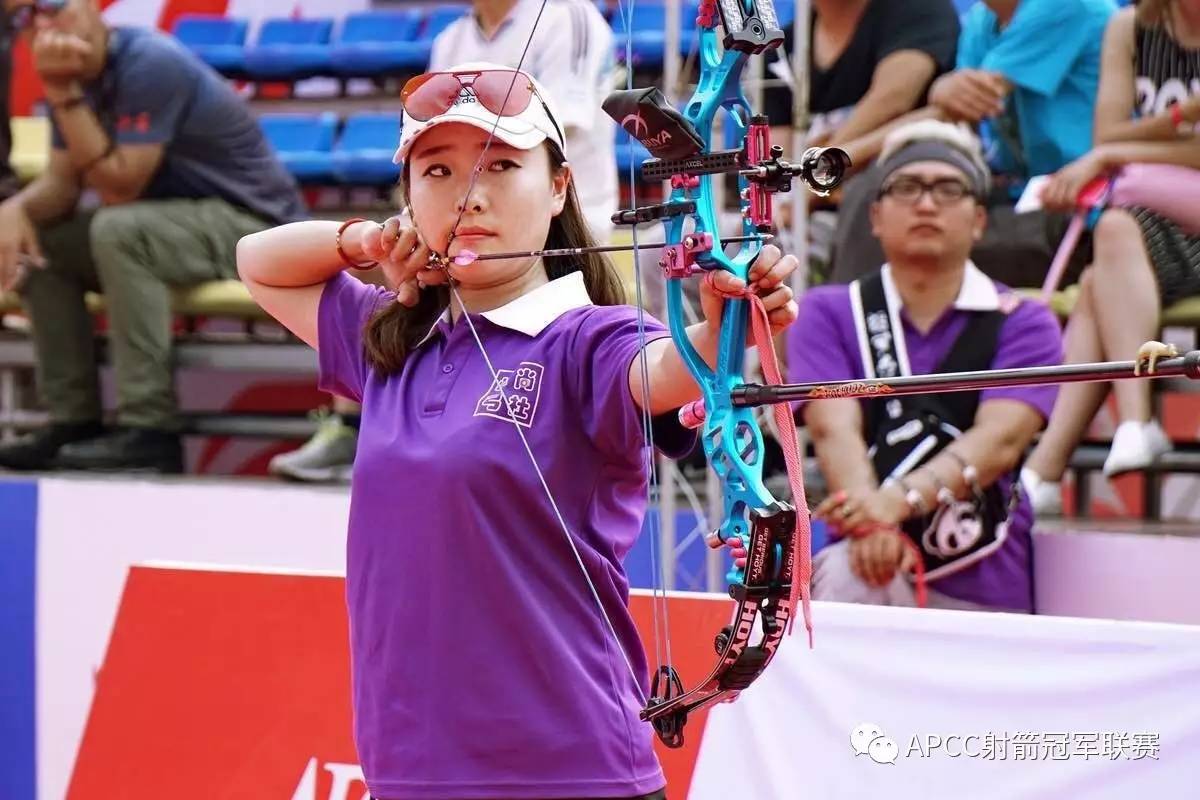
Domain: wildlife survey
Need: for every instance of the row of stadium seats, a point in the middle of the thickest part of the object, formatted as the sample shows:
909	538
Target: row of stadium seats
315	151
383	43
366	45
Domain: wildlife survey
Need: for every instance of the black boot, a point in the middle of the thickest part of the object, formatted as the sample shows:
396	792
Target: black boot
37	451
126	449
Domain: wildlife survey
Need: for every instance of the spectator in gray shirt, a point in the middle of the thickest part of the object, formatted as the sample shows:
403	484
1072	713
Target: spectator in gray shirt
182	172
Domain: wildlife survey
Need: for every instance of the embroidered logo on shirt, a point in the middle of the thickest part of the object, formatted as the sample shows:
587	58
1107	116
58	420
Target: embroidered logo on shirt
521	387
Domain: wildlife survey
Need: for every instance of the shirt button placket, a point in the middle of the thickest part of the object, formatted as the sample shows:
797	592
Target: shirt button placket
447	375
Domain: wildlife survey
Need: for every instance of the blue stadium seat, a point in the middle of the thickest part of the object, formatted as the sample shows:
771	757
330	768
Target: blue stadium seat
219	41
363	155
290	49
377	43
649	24
963	6
629	151
786	11
304	143
439	19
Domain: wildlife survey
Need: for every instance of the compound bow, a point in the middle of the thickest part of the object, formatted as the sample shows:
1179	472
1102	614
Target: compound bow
775	536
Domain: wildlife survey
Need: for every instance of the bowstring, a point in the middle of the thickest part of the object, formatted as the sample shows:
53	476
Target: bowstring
660	614
499	384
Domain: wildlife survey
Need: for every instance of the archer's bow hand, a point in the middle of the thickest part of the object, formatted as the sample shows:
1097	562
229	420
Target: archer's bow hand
770	276
737	548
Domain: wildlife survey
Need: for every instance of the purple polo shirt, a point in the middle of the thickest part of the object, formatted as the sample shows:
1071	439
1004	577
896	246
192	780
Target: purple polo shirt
481	665
823	346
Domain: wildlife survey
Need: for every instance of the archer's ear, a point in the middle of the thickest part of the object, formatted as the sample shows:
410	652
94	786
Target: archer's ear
560	186
874	213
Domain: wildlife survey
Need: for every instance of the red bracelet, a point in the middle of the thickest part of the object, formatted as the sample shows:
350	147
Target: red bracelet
342	253
1177	114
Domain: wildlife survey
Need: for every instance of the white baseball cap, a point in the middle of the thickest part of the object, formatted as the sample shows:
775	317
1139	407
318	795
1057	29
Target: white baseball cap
523	131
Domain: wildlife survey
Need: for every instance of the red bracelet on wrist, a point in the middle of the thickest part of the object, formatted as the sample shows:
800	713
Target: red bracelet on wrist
1176	114
342	253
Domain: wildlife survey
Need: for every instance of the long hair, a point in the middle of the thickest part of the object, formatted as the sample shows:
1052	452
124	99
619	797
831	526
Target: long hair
395	330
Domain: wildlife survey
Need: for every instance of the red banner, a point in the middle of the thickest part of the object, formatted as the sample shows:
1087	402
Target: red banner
236	685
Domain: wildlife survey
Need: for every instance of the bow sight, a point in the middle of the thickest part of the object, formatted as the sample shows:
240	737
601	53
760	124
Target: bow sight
679	157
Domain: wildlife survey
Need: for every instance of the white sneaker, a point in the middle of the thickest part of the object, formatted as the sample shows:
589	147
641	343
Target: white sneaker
328	457
1135	445
1045	496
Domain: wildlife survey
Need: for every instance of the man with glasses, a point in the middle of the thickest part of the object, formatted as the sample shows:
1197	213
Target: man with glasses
1026	77
925	479
181	172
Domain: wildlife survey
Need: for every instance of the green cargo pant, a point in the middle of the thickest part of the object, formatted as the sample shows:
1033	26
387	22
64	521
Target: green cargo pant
135	254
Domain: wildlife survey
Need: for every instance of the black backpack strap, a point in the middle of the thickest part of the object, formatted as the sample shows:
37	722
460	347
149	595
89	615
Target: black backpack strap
973	350
880	335
884	355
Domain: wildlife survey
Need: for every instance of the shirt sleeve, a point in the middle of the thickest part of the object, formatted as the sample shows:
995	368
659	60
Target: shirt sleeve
345	308
573	56
928	26
1030	337
817	349
972	41
153	90
608	341
1040	45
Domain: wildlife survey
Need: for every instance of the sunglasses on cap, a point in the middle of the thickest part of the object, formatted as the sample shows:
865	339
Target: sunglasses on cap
21	18
503	92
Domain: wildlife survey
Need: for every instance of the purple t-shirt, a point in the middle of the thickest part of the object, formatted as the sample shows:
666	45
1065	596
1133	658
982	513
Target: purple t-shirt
823	346
481	665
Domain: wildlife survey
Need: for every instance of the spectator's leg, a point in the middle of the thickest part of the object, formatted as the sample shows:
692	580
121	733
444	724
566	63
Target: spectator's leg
1077	402
1127	306
142	251
856	251
834	579
63	330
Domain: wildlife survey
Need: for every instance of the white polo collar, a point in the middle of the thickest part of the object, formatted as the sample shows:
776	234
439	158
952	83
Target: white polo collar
533	312
977	293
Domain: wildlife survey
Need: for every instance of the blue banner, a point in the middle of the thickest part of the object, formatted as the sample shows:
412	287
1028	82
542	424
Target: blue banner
18	570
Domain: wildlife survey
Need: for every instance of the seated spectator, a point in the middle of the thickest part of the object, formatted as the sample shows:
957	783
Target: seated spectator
1027	74
182	172
1143	259
927	474
870	62
8	179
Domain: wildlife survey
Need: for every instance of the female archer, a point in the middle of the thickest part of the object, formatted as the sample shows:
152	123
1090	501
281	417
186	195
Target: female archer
501	473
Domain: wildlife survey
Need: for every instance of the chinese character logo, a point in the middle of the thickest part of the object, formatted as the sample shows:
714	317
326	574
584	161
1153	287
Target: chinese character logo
513	394
868	739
